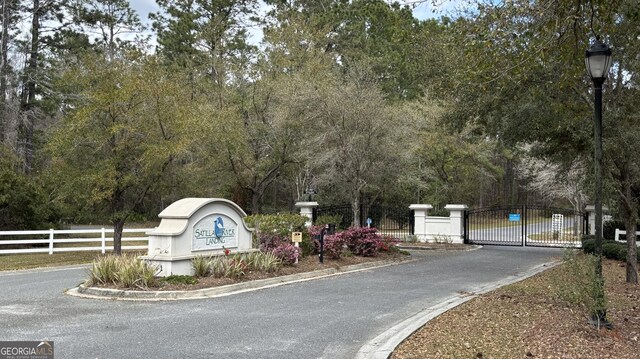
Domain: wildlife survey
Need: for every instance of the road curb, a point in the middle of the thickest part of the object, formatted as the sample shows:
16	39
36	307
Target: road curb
118	294
384	344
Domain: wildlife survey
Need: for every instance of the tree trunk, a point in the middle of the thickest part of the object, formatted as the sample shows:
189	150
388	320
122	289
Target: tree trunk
355	206
632	259
4	67
25	129
118	227
629	208
255	201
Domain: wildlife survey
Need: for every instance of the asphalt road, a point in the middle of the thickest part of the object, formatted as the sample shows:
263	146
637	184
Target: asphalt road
326	318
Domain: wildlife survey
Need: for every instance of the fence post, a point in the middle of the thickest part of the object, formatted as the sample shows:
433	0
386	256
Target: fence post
420	220
306	209
50	241
456	220
104	241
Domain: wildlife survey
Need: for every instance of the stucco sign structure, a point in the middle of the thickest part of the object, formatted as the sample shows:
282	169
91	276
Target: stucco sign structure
197	226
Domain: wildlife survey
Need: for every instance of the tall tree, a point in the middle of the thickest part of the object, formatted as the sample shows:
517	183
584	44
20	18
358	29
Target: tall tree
123	135
8	12
355	138
108	21
527	60
204	36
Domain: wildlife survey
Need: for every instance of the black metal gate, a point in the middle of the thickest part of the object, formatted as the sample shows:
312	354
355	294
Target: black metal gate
525	226
393	221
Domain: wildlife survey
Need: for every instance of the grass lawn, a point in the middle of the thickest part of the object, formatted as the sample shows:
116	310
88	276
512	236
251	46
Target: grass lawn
529	319
40	260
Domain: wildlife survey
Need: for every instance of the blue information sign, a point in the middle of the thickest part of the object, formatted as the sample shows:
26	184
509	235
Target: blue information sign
514	217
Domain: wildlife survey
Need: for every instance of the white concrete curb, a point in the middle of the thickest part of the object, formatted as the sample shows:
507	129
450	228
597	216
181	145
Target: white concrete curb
384	344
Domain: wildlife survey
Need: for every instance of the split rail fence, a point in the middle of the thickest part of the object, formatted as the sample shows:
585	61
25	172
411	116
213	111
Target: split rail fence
70	240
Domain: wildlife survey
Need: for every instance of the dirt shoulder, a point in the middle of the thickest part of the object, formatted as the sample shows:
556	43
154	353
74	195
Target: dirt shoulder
528	319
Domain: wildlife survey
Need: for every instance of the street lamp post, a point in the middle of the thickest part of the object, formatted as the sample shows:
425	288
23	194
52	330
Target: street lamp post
598	62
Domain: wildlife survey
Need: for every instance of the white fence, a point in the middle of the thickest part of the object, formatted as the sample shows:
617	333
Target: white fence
95	236
619	232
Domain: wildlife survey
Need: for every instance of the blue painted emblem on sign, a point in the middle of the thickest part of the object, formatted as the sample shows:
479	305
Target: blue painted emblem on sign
218	227
514	217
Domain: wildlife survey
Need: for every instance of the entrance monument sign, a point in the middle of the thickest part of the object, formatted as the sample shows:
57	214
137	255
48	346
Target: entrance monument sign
197	226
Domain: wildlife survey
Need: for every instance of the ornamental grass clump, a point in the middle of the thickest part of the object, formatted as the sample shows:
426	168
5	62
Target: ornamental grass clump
240	264
201	266
235	267
125	271
103	271
267	262
218	265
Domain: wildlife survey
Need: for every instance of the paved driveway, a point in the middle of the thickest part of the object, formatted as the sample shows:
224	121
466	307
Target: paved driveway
326	318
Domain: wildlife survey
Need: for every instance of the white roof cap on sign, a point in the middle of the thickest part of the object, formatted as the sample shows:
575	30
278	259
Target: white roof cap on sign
186	207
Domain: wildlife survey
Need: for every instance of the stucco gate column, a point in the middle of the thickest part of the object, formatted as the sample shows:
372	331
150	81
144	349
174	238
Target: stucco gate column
456	212
306	209
420	220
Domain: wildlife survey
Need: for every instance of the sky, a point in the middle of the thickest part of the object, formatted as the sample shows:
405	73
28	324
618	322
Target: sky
423	10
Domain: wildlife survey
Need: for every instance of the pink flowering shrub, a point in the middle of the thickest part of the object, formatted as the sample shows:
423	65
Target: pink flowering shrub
315	230
387	243
269	241
333	246
362	241
287	253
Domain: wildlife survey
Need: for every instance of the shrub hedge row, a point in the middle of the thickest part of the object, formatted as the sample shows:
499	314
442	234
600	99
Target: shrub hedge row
610	249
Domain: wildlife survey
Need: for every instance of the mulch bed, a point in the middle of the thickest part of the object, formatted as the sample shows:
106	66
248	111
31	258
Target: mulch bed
525	320
305	264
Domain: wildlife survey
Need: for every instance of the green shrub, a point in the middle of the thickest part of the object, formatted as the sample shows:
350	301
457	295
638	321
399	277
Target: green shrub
329	219
589	244
24	201
610	249
280	224
306	246
578	283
